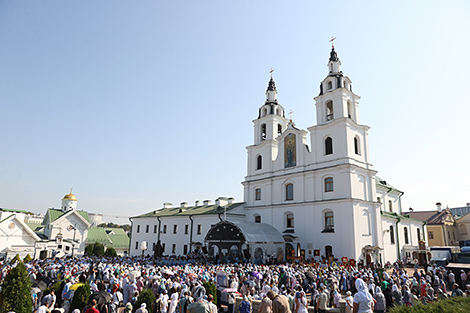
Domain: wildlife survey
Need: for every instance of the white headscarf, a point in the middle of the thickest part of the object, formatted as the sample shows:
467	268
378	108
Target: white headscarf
199	293
362	291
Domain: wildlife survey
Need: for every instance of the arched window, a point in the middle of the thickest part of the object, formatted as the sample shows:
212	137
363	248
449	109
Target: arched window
328	184
330	84
263	131
289	220
366	221
328	145
329	221
289	192
357	148
350	114
265	112
258	194
279	129
278	111
328	251
259	162
419	234
463	229
257	218
329	110
390	207
392	235
405	232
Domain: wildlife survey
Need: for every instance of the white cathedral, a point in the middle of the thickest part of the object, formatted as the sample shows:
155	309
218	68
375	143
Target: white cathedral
310	194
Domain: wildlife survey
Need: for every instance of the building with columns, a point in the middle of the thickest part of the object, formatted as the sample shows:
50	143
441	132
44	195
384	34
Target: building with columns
316	187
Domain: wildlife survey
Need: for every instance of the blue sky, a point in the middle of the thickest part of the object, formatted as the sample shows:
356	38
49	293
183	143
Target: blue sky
136	103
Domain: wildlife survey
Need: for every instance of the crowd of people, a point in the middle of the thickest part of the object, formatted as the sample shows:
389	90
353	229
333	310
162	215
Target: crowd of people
286	288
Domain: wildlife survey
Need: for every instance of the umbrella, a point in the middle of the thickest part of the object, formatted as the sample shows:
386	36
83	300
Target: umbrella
168	272
134	274
75	286
229	290
249	283
101	297
40	284
257	275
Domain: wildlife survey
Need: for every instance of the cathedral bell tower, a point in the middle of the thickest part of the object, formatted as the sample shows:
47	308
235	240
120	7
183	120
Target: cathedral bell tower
336	99
69	202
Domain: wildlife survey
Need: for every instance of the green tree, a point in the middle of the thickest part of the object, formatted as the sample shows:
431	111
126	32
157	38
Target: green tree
15	294
146	296
210	290
80	297
27	258
98	249
89	249
110	251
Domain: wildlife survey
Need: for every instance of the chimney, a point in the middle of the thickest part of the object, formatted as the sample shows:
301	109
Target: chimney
167	205
411	209
230	200
183	204
468	204
206	202
439	207
196	203
221	201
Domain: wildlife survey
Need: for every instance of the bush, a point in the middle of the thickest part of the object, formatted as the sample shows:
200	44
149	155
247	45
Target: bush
15	292
110	251
27	258
80	297
453	305
96	249
89	250
210	290
145	296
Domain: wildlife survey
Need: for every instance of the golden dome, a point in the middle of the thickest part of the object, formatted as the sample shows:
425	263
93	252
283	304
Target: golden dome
70	196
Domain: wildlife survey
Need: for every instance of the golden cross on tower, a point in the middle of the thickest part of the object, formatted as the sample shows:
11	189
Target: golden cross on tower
290	114
271	72
332	40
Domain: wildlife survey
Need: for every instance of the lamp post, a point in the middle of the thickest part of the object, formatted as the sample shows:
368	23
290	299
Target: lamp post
143	247
74	227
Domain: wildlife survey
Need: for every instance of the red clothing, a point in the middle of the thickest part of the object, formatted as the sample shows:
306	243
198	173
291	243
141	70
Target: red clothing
92	310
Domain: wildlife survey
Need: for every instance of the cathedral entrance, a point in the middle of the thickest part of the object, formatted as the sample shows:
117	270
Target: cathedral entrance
43	254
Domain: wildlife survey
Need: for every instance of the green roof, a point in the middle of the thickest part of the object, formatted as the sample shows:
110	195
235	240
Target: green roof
14	211
36	227
194	210
111	237
398	216
380	182
55	214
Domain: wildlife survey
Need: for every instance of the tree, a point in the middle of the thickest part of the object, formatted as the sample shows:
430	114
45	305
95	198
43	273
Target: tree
27	258
110	251
80	297
210	290
146	296
89	249
98	249
15	294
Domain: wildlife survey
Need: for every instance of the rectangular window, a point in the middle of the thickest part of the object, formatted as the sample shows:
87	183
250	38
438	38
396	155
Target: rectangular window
175	229
290	221
199	229
258	219
147	228
328	184
163	248
137	245
67	248
164	229
154	245
185	249
138	228
430	235
329	221
186	229
258	194
173	249
390	207
289	192
154	229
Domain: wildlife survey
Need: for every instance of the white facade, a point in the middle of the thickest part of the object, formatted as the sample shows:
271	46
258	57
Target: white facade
316	187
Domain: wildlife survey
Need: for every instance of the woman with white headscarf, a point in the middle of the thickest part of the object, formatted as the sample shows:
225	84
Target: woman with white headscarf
397	296
199	305
363	301
380	303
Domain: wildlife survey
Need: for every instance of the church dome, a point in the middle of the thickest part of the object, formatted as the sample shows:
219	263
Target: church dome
70	196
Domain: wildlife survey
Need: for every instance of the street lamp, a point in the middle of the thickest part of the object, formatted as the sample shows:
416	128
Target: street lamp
143	247
73	241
